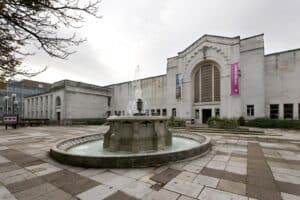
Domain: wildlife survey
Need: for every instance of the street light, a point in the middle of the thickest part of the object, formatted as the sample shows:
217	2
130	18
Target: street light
13	96
15	105
6	103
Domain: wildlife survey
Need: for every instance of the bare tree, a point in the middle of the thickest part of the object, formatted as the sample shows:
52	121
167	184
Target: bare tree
39	22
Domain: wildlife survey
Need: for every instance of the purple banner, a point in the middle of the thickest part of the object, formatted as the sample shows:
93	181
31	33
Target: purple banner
235	79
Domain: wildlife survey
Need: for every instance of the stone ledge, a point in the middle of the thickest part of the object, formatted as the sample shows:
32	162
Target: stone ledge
59	153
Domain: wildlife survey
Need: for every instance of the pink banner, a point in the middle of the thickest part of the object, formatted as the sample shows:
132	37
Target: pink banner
235	79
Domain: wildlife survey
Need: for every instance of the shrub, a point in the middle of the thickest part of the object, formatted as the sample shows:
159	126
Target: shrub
227	123
176	122
88	121
241	121
274	123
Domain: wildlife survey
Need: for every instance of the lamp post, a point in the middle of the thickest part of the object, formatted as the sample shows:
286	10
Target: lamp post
15	106
13	97
6	104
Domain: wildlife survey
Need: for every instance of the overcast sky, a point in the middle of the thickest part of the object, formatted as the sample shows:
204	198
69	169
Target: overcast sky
147	32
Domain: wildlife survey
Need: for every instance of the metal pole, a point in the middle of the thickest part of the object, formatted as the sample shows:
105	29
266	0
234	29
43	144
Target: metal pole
13	105
6	106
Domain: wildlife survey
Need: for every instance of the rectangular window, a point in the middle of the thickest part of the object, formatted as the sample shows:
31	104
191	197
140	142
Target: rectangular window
299	110
288	111
174	112
178	86
108	101
250	110
152	112
158	112
197	113
164	112
274	111
217	112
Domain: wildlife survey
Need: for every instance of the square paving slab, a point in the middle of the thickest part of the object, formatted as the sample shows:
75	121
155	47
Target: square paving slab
237	168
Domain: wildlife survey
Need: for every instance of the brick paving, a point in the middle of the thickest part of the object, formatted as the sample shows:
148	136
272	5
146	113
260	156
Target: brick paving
238	167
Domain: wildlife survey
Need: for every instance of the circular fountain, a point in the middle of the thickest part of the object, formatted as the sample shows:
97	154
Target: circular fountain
131	141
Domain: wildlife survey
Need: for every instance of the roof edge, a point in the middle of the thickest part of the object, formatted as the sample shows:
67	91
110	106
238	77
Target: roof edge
261	34
281	52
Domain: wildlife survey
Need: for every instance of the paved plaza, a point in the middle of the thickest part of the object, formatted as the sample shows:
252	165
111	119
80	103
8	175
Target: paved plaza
238	167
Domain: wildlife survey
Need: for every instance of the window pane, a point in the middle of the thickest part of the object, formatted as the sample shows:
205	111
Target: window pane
216	84
288	111
174	112
206	83
250	110
196	87
178	85
274	111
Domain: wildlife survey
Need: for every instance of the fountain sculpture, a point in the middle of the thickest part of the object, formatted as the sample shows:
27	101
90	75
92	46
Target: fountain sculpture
137	133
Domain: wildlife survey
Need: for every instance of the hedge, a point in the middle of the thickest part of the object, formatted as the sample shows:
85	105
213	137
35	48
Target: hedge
176	122
273	123
89	121
215	122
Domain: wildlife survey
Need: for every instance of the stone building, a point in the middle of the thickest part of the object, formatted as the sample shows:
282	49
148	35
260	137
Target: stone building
214	76
67	100
19	89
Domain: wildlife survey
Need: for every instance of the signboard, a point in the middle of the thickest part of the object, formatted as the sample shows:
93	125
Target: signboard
10	119
235	90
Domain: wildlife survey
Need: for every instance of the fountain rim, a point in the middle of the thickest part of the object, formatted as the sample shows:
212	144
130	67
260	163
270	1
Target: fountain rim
137	118
125	161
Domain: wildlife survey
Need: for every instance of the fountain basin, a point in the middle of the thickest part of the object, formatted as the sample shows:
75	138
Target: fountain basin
71	152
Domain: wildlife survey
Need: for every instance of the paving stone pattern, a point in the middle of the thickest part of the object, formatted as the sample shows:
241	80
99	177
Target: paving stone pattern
237	168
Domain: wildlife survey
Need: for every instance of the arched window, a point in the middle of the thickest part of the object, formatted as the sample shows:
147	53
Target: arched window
207	83
57	101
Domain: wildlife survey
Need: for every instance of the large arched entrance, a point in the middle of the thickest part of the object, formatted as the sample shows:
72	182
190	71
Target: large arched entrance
206	79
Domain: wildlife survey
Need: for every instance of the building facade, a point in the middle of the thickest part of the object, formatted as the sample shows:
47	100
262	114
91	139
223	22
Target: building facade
67	100
215	76
12	94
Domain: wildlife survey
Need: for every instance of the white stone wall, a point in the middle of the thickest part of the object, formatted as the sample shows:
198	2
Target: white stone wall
153	94
282	80
85	105
252	87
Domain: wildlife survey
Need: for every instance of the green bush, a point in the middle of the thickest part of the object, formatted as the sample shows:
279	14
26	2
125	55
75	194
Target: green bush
176	122
241	121
215	122
88	121
274	123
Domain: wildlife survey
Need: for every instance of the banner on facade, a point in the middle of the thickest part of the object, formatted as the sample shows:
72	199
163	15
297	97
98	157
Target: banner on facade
235	79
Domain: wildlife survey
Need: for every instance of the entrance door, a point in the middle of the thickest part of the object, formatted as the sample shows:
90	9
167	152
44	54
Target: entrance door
206	113
58	116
